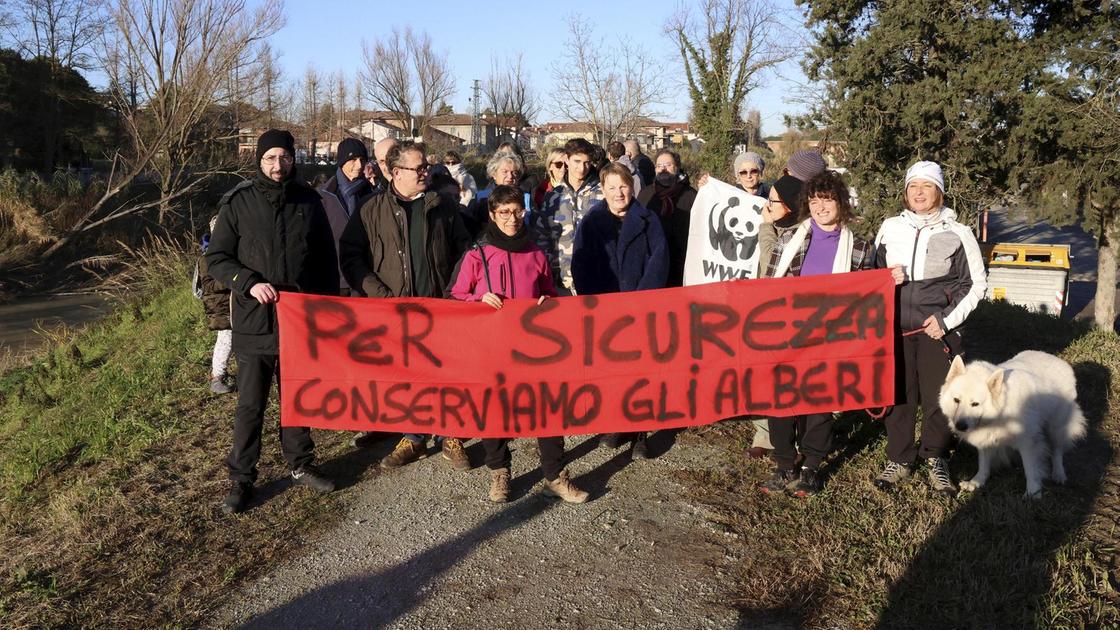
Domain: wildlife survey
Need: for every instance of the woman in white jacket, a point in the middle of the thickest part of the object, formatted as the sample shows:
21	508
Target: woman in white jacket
941	271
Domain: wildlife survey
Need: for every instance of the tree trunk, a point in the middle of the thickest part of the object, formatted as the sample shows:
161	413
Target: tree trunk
1104	308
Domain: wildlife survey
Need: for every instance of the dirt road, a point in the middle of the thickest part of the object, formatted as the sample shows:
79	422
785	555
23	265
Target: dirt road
421	547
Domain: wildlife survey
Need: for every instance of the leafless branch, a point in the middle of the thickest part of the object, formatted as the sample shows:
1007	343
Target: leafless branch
611	88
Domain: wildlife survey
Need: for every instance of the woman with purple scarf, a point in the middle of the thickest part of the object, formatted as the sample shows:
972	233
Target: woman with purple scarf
820	244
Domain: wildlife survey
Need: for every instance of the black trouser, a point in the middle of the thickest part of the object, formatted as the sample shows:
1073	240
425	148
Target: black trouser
551	449
921	364
811	433
254	380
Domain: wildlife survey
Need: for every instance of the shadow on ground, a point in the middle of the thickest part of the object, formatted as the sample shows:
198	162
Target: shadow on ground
352	599
990	564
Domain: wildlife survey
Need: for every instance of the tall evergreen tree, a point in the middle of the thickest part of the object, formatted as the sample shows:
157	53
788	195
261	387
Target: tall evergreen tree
1070	169
941	80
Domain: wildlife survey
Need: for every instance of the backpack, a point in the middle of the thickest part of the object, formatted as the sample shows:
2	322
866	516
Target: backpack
196	282
196	277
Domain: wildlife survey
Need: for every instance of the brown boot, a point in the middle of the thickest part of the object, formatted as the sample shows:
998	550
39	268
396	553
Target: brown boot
564	488
454	453
405	452
499	485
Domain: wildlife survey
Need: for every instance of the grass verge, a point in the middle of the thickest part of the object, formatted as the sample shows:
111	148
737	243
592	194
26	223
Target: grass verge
854	557
112	471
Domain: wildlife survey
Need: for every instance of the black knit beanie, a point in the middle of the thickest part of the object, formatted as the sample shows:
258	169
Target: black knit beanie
789	189
275	138
351	148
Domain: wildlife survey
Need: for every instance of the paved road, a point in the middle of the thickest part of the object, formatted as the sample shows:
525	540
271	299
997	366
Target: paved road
22	317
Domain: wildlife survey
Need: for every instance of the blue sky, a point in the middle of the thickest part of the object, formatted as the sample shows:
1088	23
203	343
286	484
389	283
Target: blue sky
328	34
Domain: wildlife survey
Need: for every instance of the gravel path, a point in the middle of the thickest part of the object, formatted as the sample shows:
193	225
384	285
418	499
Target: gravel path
421	547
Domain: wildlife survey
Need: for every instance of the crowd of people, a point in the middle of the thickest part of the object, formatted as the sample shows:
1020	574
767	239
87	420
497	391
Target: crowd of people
403	223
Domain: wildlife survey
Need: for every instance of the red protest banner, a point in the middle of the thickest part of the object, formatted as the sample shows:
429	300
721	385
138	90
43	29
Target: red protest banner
638	361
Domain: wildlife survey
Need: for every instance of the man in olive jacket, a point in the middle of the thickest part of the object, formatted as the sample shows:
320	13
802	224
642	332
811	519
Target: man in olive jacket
272	234
405	242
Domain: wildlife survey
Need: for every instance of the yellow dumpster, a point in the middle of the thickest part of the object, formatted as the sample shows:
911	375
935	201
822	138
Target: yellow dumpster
1033	275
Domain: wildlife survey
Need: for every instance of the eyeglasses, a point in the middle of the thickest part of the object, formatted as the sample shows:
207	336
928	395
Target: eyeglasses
506	215
559	164
423	168
753	171
272	159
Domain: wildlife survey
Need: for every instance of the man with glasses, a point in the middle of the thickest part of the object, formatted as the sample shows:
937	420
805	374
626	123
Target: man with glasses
405	243
271	234
748	169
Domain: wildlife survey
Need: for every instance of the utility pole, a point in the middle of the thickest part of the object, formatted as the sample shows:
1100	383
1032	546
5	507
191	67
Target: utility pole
476	116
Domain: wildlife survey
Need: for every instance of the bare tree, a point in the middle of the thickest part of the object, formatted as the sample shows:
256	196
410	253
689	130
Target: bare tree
725	52
328	115
404	75
309	98
167	62
612	88
340	104
62	31
509	95
272	95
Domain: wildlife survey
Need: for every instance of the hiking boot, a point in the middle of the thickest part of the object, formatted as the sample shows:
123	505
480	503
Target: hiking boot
778	481
610	440
454	453
366	439
893	474
939	480
238	498
641	449
312	477
218	385
499	485
564	488
405	452
806	485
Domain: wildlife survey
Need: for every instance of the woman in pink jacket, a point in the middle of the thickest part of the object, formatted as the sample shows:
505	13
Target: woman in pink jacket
504	264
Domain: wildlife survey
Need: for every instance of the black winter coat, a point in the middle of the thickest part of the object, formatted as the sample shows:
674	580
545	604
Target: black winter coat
274	233
675	223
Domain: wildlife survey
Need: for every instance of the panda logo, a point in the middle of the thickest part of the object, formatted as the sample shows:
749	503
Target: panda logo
733	230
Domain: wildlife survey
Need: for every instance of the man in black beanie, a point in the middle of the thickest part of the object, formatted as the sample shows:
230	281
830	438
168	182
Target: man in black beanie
345	192
272	234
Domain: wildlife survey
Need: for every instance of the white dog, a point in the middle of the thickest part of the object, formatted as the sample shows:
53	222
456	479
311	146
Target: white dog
1022	404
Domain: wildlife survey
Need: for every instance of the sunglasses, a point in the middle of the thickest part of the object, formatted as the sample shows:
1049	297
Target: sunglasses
559	164
753	171
450	163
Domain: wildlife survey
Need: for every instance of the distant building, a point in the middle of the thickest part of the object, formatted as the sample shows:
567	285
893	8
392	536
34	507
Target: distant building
650	134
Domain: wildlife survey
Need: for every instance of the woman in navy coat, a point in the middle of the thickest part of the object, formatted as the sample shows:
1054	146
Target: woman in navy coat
619	246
